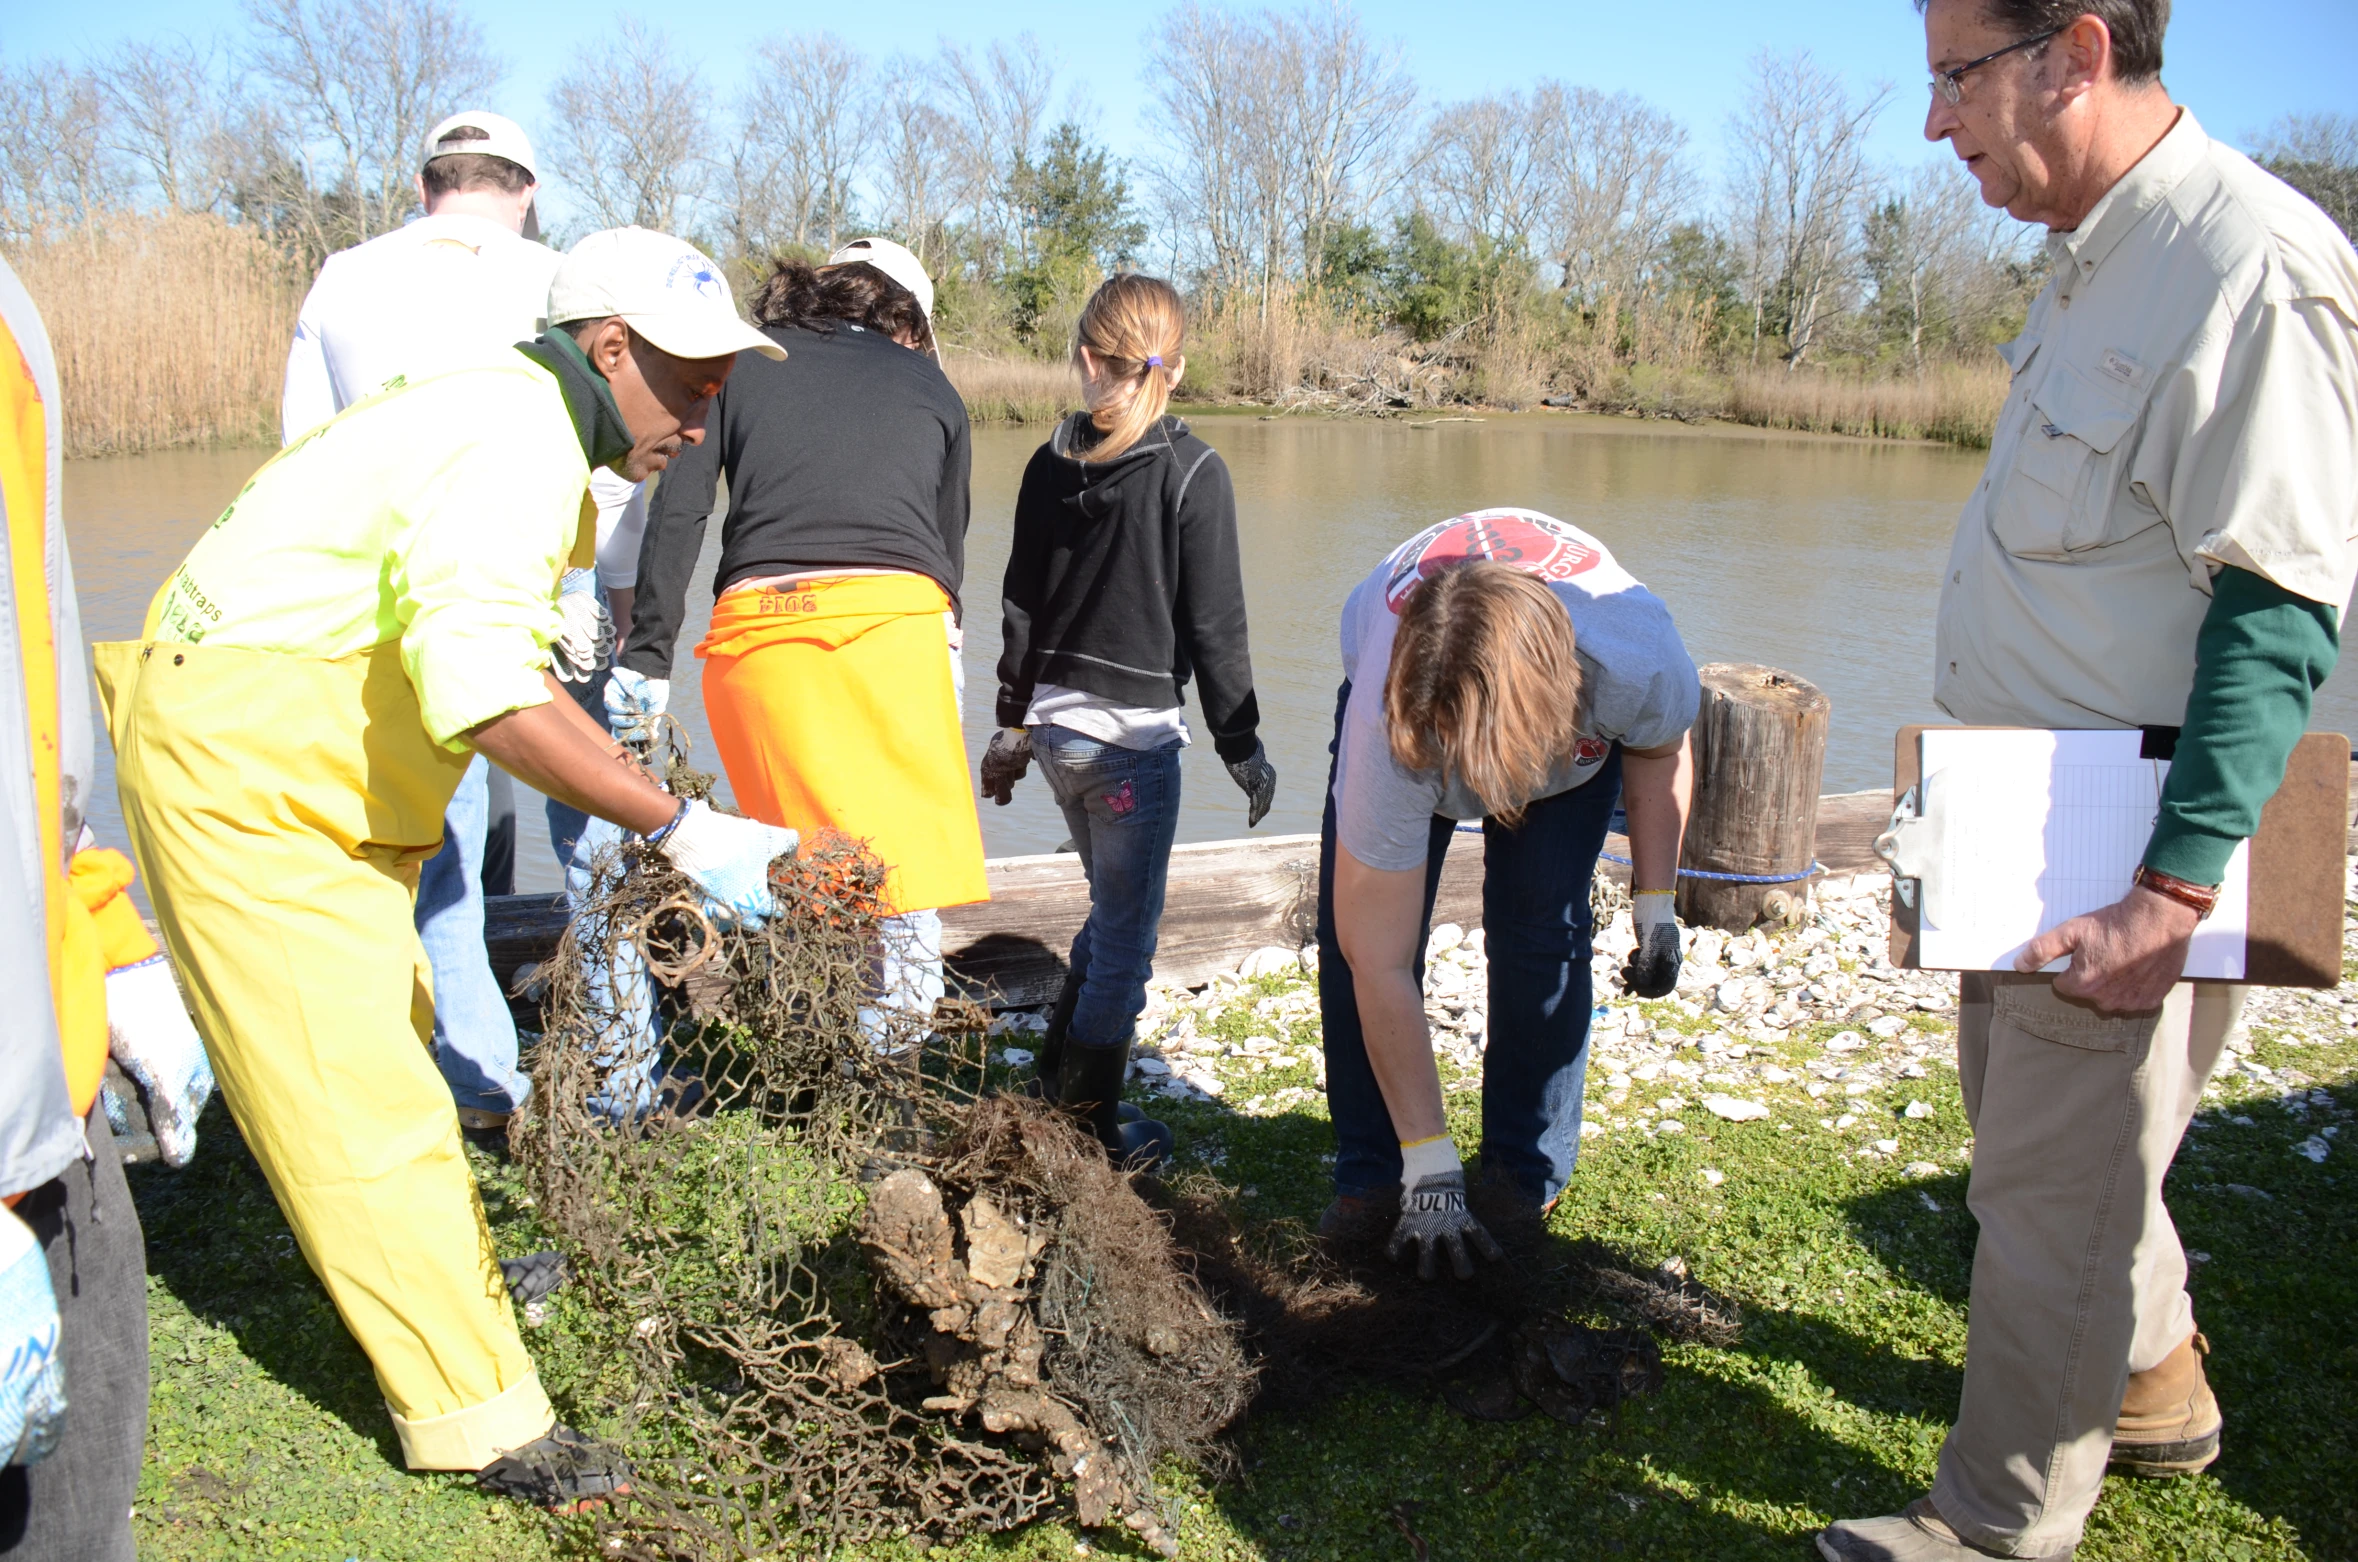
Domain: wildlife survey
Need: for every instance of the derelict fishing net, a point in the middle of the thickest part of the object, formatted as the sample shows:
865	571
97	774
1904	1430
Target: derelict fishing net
849	1295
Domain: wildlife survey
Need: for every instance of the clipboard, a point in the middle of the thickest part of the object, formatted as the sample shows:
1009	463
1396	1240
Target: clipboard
2298	863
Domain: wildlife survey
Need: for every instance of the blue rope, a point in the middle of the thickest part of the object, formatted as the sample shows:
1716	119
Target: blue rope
1814	867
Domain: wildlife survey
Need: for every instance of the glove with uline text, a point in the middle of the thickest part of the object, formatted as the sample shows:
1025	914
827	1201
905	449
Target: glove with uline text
32	1360
150	1036
634	707
1433	1213
729	858
585	638
1257	779
1004	763
1652	968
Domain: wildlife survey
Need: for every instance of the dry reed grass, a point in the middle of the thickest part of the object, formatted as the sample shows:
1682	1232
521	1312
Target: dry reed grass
1013	390
1956	402
169	330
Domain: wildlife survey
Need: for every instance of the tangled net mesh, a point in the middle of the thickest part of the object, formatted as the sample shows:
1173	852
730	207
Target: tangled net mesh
852	1295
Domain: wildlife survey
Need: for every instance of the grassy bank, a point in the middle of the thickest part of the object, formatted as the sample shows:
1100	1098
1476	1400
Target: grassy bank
1850	1261
172	330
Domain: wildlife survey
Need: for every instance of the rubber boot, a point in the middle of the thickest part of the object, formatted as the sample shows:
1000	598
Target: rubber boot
1090	1087
1051	1055
1042	1085
2169	1422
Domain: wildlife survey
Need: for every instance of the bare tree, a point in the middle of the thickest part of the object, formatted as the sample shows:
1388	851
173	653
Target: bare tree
806	127
1801	176
1349	117
995	105
170	113
1617	182
57	164
1487	164
1206	76
363	80
912	146
632	118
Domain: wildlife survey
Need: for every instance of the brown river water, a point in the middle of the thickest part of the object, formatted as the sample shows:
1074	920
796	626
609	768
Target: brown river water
1819	555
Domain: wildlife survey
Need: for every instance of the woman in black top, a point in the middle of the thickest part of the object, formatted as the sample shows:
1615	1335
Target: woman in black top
831	672
1122	584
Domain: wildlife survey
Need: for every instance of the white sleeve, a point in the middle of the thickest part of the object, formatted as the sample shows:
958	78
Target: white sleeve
310	396
622	523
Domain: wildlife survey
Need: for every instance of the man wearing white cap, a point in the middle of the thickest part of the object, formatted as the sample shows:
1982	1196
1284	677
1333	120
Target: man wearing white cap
454	286
375	609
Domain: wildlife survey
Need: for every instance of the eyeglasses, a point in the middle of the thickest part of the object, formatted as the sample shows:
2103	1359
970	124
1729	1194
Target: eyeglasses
1950	85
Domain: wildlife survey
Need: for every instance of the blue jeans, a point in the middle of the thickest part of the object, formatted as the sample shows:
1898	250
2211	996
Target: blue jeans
1122	806
474	1032
1536	933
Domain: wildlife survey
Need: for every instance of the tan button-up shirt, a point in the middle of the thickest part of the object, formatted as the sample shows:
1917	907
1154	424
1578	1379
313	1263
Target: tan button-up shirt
2185	396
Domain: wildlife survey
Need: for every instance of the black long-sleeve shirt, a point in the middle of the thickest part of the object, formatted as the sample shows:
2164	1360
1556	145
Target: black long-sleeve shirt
853	453
1123	580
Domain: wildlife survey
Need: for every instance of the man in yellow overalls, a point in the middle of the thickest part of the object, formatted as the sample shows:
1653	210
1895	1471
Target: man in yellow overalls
373	609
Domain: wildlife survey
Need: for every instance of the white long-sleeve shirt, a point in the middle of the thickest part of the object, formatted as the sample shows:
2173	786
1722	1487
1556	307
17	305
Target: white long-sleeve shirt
441	291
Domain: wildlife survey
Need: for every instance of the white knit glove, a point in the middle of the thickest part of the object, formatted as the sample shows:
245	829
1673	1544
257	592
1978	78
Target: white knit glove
1433	1213
149	1033
729	858
32	1360
585	643
634	706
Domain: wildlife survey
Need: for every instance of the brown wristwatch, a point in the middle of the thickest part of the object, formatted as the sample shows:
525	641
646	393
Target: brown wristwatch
2203	898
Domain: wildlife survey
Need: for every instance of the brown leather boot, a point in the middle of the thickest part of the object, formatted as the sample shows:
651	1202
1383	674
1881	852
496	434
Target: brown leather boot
2169	1422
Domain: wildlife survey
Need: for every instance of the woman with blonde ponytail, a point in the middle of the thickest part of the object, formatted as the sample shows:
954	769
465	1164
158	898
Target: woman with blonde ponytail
1123	584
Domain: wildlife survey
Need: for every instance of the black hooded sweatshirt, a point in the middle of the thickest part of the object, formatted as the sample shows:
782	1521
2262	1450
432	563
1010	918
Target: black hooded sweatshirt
1124	581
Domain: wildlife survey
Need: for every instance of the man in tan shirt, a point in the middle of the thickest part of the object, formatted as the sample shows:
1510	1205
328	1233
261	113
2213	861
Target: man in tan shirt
2163	539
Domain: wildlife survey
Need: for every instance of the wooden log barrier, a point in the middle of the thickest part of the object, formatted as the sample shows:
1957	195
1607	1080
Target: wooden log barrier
1760	754
1226	899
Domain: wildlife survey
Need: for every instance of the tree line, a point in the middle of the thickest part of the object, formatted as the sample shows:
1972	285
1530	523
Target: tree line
1291	158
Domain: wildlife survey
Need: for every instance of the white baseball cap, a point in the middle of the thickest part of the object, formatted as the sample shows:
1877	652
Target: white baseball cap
502	137
895	261
663	287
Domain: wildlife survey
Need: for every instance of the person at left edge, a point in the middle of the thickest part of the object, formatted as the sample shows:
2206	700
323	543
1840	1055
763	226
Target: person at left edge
86	982
374	609
453	286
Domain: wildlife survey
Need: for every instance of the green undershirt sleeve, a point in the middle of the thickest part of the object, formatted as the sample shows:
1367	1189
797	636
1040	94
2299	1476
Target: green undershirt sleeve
2261	653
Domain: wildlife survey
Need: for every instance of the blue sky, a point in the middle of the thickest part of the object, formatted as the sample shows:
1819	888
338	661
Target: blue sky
2238	65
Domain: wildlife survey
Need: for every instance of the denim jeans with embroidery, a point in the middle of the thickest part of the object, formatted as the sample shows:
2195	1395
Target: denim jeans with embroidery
1122	806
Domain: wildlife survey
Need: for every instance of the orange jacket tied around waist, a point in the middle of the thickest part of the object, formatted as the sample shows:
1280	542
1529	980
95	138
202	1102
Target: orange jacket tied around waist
831	703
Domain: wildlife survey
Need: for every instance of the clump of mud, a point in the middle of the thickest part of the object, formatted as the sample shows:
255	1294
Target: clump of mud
1566	1328
847	1295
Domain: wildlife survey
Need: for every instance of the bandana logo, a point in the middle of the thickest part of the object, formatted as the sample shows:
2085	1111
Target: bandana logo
1535	544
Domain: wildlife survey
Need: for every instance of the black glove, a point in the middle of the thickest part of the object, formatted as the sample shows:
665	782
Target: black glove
1004	764
1257	779
1653	965
1433	1215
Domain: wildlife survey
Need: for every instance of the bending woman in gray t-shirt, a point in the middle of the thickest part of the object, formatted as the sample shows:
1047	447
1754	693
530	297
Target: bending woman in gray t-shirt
1499	666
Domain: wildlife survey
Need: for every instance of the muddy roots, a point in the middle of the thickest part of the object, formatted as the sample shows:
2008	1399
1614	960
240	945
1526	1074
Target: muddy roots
845	1295
1567	1328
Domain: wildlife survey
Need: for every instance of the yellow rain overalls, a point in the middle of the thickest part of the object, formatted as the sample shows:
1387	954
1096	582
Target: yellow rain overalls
287	735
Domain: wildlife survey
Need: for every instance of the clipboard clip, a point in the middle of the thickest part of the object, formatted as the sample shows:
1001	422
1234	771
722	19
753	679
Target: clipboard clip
1912	846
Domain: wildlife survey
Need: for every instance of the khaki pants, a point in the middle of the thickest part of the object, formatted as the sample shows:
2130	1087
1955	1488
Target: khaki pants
2078	1278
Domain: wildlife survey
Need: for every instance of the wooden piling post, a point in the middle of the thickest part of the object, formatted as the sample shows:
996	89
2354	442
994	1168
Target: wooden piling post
1760	753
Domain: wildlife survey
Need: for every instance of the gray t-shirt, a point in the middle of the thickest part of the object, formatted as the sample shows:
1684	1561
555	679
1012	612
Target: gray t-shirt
1640	688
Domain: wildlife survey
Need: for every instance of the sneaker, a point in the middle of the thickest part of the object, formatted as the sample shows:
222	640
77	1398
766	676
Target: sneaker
2169	1422
563	1472
486	1131
1916	1534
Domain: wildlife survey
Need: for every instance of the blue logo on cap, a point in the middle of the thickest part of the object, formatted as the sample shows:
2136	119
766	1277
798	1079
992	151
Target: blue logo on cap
698	274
